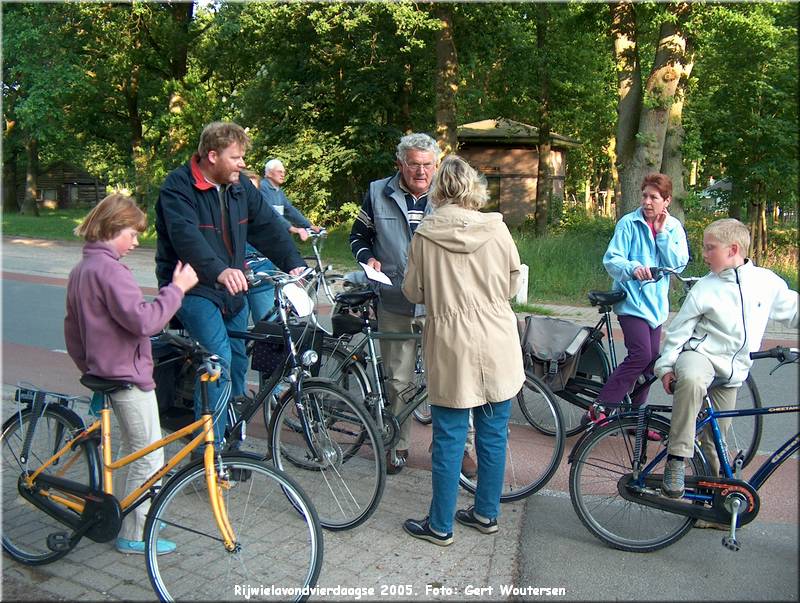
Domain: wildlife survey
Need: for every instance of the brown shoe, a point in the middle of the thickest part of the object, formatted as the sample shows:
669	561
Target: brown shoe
469	468
393	469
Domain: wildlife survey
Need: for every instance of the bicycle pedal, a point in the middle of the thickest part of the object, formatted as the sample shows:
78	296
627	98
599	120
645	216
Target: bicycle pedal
58	542
730	543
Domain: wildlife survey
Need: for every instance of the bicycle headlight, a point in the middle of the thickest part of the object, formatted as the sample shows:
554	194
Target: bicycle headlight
309	358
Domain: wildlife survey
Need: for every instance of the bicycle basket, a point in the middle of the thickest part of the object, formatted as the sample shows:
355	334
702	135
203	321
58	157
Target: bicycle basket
270	354
552	347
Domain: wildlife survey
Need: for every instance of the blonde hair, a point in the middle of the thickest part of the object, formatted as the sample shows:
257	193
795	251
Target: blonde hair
457	183
728	231
251	175
219	135
110	217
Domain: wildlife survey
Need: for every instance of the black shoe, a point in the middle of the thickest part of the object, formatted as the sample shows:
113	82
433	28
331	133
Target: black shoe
422	530
393	469
238	474
467	517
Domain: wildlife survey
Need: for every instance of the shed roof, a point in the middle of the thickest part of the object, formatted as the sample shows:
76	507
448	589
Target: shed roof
502	130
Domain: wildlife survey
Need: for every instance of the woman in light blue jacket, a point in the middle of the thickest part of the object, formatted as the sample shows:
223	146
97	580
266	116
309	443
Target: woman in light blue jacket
646	237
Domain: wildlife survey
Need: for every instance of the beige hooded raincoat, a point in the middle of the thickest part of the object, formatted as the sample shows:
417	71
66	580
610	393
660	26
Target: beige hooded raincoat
463	265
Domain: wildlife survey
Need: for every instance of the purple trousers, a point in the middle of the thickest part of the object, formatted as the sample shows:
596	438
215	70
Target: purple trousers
642	343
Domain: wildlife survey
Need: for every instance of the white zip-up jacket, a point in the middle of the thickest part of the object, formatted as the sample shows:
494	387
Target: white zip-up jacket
724	318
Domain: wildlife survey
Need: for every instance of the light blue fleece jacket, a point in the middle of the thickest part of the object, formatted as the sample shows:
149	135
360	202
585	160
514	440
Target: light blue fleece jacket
633	245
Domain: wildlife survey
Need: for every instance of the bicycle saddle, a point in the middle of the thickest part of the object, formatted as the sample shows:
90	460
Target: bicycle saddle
356	298
606	298
104	386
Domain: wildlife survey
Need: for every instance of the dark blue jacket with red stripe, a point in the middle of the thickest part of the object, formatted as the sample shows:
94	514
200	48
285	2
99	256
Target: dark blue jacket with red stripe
189	228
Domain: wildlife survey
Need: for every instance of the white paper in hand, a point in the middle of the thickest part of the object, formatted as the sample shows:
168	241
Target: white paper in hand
374	275
302	303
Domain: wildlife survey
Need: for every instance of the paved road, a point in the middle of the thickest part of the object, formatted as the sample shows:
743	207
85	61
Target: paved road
541	544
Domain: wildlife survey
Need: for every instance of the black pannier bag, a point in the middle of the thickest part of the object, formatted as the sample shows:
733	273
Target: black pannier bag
270	353
552	347
175	382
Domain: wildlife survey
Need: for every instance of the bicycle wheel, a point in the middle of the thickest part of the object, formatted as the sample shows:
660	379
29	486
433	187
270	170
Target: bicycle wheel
532	457
279	538
338	365
26	527
422	413
597	466
345	480
744	433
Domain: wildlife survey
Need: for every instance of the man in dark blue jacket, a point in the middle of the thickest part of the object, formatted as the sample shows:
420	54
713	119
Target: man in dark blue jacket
204	217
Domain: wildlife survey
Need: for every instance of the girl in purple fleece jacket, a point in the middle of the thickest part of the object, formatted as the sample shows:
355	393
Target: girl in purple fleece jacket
107	330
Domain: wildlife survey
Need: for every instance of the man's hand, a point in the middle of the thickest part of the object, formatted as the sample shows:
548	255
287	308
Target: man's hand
233	280
297	271
316	228
668	381
184	276
660	221
374	264
301	232
642	273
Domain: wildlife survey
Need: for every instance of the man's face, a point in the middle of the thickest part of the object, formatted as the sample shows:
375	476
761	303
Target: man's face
277	175
417	170
226	164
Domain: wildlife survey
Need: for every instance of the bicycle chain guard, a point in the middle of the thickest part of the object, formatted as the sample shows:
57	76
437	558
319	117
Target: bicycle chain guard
718	487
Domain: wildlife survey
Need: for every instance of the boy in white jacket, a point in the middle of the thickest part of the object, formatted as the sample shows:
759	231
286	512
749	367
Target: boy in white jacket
722	320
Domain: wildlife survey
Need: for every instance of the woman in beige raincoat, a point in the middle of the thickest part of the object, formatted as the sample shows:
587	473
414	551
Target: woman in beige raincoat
463	265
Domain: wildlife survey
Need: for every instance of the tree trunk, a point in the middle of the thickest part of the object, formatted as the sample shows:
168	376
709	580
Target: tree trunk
446	82
640	142
29	204
10	184
660	93
138	154
629	96
544	180
672	161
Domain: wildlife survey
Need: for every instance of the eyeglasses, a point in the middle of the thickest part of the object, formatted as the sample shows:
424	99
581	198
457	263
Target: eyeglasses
416	166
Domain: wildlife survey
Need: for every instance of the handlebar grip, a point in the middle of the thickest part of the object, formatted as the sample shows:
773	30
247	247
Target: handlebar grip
656	272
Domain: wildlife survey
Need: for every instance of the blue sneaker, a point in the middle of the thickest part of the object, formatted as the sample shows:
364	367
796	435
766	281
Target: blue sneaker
136	547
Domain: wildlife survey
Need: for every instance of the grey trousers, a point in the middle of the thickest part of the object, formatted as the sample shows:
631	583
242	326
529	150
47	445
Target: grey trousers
137	414
694	373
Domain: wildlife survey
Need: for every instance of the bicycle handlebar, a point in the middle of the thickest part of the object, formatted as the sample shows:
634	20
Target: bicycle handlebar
780	353
659	271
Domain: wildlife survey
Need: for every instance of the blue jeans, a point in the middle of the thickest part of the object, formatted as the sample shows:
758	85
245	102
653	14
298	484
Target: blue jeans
205	323
449	436
262	298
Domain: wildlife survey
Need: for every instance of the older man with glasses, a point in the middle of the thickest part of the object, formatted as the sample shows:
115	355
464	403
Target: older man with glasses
392	209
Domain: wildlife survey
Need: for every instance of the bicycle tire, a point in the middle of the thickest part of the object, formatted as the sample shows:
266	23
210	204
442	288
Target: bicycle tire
347	483
280	543
744	433
422	413
338	365
25	527
599	462
532	457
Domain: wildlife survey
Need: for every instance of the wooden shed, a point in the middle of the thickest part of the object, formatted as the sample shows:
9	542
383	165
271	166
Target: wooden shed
506	152
64	185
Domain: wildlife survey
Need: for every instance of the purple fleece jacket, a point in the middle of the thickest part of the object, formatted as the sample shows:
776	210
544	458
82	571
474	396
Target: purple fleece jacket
108	323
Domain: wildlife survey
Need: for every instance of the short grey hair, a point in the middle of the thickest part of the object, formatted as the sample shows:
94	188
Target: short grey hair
417	142
457	183
271	165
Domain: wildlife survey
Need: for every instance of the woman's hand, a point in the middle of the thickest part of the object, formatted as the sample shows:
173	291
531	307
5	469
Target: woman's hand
642	273
661	220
